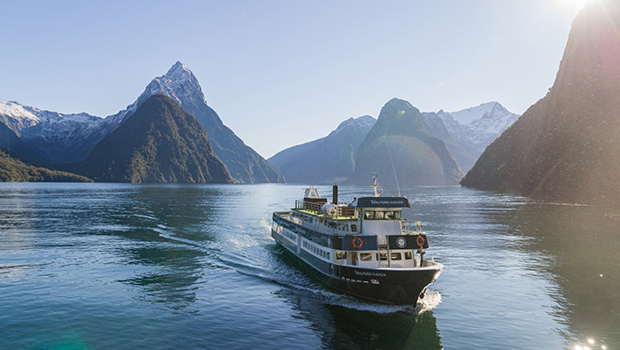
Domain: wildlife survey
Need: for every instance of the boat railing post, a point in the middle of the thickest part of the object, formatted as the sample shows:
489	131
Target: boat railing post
378	251
389	256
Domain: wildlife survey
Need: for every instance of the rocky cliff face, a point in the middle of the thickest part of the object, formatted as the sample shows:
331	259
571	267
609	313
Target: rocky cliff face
327	160
401	148
566	146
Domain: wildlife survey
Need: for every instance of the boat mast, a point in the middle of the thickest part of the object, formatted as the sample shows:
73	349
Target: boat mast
378	190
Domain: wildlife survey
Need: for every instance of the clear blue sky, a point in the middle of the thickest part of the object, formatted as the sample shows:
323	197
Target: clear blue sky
280	73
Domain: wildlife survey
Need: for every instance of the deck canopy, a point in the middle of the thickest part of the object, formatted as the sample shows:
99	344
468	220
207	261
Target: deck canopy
381	202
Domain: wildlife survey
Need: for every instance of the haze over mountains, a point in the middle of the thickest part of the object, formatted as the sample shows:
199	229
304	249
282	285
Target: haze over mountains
333	159
565	147
402	150
327	160
53	138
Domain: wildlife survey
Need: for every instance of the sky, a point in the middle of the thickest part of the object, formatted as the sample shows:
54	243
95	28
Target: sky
282	73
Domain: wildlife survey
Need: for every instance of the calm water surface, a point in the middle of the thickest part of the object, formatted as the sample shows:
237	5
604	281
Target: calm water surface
118	266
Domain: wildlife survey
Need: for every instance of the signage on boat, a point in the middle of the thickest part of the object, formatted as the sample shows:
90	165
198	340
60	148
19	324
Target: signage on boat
369	273
383	202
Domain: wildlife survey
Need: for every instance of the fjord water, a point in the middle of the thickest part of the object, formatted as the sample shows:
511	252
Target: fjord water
120	266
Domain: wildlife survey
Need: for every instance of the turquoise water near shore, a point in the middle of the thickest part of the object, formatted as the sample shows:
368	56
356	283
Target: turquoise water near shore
101	266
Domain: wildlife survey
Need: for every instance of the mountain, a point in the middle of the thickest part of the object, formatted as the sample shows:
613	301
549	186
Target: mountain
565	147
159	142
53	137
14	170
327	160
66	138
243	163
401	149
468	132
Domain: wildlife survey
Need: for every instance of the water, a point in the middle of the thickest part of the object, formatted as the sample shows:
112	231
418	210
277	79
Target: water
119	266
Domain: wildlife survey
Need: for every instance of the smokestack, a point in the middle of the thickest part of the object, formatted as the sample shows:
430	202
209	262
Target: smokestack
335	194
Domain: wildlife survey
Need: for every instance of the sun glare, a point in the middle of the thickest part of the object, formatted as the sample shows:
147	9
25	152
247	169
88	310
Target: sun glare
569	7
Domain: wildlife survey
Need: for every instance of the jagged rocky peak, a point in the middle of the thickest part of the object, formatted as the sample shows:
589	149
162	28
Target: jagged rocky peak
473	114
179	83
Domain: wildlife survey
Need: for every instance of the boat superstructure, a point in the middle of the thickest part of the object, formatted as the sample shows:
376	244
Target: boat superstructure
364	248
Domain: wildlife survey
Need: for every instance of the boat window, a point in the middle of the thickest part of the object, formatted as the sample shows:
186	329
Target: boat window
379	215
395	256
341	255
383	256
370	215
353	228
366	256
408	256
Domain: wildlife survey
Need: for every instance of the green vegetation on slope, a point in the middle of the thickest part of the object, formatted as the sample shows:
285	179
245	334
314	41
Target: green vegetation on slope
159	143
14	170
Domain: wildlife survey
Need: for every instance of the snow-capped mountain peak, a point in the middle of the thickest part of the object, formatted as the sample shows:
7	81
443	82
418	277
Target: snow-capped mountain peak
16	116
179	73
179	83
470	115
476	127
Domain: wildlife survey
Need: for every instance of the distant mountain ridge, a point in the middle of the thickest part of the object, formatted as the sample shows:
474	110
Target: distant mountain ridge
565	147
53	137
327	160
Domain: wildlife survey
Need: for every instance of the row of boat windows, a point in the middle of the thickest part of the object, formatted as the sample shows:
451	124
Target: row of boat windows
382	215
289	235
338	226
394	256
316	250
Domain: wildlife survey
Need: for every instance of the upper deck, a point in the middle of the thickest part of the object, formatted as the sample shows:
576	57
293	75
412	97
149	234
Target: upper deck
363	216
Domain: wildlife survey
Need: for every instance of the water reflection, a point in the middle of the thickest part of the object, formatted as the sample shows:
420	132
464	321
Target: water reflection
346	327
172	228
582	245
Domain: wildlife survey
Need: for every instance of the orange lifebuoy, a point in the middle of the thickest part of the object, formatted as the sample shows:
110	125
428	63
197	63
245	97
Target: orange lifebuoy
420	241
357	242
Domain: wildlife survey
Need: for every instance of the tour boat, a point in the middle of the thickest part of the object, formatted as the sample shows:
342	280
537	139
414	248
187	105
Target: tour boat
363	248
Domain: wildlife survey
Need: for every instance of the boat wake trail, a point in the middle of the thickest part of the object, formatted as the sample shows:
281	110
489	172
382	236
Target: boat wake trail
253	253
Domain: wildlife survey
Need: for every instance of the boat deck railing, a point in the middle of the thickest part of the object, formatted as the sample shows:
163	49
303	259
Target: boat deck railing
411	227
316	209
